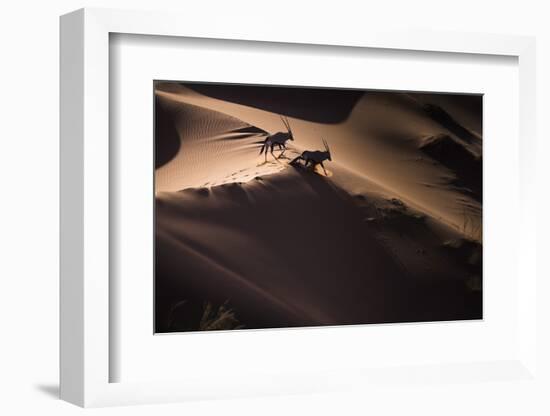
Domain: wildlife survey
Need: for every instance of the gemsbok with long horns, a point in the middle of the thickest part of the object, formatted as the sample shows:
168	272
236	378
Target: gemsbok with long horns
314	158
277	139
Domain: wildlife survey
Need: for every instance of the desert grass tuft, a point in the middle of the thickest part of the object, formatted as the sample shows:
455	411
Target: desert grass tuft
220	318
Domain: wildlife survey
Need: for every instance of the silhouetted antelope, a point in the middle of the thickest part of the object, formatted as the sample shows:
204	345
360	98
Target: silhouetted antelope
278	139
314	158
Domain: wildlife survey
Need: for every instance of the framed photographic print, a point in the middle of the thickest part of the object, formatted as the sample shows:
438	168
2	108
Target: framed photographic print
230	232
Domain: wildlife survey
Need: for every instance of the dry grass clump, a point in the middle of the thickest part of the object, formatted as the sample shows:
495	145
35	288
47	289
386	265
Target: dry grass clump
193	316
220	318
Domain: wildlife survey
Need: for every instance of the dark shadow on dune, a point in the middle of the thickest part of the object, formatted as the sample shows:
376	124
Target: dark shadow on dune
321	105
456	157
244	133
456	112
167	140
251	130
294	249
446	120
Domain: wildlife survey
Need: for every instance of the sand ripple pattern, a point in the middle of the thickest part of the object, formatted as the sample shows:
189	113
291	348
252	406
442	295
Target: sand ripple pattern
209	141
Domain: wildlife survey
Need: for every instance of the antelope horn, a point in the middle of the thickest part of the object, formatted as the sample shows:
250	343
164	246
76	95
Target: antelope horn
288	125
328	148
283	120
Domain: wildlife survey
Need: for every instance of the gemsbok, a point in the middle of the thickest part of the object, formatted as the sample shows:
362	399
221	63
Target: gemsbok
277	139
314	158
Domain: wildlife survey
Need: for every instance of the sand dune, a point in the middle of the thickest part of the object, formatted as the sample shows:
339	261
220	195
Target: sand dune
390	235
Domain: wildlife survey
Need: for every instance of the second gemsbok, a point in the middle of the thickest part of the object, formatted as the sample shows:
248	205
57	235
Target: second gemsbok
314	158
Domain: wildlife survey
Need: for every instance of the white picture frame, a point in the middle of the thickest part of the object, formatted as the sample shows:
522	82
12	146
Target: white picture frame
85	219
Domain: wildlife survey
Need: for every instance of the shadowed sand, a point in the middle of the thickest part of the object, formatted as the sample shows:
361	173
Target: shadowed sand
294	249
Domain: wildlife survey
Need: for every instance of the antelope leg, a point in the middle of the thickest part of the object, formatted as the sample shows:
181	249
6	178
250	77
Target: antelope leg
283	152
271	151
